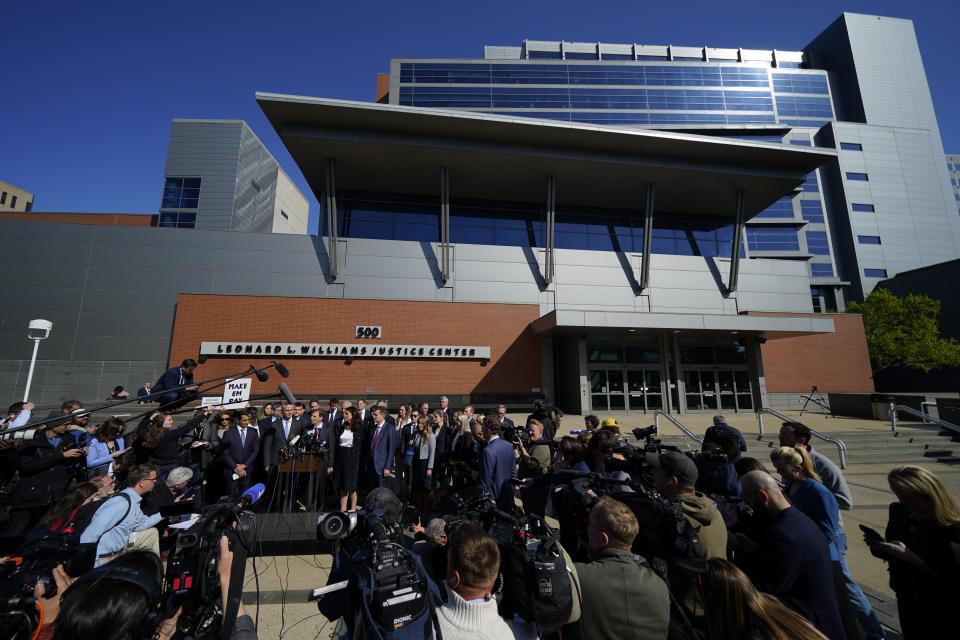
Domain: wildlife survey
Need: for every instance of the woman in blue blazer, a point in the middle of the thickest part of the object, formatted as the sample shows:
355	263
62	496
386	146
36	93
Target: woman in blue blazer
107	445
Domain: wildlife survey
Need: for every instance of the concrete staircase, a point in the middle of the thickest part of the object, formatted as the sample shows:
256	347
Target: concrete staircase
910	444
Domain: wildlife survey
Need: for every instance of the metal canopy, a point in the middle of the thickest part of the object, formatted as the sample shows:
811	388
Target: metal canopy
772	326
398	149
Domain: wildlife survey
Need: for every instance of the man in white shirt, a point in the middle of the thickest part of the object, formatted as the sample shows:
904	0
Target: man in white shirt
119	524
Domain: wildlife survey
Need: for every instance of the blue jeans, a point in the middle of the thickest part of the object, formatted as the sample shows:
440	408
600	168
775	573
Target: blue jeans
865	617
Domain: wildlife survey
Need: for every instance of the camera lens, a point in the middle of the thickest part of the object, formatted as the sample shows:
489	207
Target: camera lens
334	526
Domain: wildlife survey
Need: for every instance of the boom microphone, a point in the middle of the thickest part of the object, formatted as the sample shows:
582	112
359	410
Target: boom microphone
285	392
251	495
261	375
282	370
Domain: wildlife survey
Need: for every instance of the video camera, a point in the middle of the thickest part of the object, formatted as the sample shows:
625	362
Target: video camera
191	579
536	585
377	585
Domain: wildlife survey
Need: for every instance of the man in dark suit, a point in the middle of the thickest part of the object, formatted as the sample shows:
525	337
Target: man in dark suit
170	383
239	446
278	436
498	465
333	414
382	444
788	557
505	422
144	391
323	435
366	419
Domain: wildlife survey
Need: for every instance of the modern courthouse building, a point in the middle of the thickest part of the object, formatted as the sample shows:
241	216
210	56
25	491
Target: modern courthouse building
615	227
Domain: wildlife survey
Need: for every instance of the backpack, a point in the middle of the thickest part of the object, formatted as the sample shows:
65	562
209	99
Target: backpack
536	584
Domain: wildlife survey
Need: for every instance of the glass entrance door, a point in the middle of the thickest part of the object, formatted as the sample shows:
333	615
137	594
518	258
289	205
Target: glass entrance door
645	390
718	389
606	390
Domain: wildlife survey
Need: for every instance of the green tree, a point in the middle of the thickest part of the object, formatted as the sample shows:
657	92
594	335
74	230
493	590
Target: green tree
904	332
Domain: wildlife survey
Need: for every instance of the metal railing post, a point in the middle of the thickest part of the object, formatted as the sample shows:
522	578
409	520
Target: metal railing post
893	417
760	422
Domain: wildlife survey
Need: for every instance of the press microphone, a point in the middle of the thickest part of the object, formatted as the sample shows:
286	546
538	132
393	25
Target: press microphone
282	370
251	495
286	393
261	375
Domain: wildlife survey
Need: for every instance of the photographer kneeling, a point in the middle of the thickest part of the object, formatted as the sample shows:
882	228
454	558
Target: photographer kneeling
621	599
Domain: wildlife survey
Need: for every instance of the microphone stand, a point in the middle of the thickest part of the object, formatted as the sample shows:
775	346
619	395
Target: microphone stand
52	422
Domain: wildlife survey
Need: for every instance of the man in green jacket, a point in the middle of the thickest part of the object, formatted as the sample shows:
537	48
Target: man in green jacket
675	476
620	599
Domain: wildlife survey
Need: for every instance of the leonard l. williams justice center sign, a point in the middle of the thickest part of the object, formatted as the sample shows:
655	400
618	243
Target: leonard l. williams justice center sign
320	350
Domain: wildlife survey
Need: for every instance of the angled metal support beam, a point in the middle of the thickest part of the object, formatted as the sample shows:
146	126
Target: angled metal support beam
548	264
737	239
330	199
647	236
445	224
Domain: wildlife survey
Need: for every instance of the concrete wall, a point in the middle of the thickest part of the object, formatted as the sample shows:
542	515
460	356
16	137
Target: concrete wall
291	208
14	198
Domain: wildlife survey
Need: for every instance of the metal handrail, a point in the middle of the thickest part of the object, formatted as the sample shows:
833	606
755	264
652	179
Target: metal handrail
676	423
895	408
841	447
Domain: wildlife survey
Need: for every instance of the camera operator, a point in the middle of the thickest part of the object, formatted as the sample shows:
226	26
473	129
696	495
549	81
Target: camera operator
48	465
535	462
541	414
473	567
433	548
620	599
17	415
675	476
600	448
119	524
119	601
721	431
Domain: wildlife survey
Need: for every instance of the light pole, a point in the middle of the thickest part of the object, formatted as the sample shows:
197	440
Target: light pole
37	330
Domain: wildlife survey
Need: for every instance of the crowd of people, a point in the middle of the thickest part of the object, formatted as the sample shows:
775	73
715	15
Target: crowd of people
774	546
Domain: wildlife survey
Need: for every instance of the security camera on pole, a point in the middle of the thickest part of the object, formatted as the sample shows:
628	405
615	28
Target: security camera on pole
37	330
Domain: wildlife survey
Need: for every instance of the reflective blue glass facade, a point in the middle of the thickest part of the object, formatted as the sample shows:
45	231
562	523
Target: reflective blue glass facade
650	91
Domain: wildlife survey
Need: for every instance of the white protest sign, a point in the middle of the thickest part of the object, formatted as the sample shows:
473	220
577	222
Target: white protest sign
210	401
236	393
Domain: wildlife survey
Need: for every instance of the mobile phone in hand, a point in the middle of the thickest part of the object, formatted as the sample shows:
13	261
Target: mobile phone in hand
872	535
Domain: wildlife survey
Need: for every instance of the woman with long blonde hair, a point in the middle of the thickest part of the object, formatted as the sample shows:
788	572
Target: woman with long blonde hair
424	453
922	545
809	495
738	611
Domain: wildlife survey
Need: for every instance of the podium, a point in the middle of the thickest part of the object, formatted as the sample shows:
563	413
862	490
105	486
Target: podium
307	465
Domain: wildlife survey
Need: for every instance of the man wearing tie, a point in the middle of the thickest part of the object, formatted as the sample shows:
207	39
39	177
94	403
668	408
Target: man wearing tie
172	384
279	435
323	434
505	422
365	418
382	444
239	446
142	392
334	414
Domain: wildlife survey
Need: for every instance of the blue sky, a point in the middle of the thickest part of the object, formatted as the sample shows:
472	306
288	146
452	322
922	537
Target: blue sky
90	90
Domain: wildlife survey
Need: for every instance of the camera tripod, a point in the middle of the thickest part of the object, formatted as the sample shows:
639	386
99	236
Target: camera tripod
817	398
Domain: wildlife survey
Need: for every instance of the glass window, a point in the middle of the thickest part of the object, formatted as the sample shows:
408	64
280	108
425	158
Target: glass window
3	198
579	55
817	243
868	239
811	211
552	55
806	83
875	273
810	184
851	146
29	207
603	353
639	354
180	193
782	208
861	177
772	239
820	270
865	208
617	56
13	201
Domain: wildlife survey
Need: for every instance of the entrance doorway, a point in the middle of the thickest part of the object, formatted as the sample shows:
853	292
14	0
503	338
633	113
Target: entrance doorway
626	389
717	389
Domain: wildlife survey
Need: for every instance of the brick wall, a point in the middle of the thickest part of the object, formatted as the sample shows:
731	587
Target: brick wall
836	362
514	365
113	219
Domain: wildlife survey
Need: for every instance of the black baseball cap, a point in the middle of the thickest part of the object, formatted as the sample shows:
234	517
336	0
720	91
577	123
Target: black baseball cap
677	465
